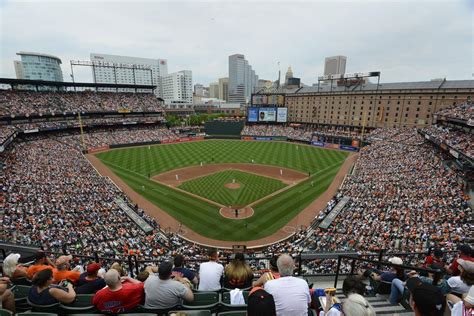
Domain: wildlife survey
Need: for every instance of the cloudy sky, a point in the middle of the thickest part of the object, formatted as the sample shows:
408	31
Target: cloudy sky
407	40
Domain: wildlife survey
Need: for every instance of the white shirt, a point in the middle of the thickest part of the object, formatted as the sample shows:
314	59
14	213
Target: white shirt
291	295
457	285
210	275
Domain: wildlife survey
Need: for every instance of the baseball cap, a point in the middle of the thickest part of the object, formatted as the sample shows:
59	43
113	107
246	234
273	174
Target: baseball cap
468	266
470	296
93	268
429	299
63	260
260	303
10	263
466	249
395	260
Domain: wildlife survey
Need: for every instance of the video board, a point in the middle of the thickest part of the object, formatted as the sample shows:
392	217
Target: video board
267	114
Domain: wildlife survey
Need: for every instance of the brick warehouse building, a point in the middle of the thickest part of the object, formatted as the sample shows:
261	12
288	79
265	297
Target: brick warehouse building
401	104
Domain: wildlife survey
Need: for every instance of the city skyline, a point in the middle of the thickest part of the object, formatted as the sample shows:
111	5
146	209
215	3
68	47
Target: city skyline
406	41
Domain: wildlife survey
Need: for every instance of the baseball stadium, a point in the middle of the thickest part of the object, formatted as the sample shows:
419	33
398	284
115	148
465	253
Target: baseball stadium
96	178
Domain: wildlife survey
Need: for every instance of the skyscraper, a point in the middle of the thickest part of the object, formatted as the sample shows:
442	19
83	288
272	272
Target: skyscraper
224	89
178	87
214	90
335	65
36	66
242	79
132	71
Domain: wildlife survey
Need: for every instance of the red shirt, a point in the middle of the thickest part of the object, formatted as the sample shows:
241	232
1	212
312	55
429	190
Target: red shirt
125	299
454	266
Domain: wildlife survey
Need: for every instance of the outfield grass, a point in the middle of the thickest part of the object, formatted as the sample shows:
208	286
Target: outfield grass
252	187
135	165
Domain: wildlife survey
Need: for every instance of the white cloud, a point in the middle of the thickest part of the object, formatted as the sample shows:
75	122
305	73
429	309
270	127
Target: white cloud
405	40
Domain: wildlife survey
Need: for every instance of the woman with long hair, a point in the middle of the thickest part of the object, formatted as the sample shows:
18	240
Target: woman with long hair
238	273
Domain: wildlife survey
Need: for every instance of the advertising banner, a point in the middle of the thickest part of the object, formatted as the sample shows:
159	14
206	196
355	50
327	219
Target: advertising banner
247	138
252	115
263	138
266	114
355	143
282	115
350	148
319	144
333	146
96	149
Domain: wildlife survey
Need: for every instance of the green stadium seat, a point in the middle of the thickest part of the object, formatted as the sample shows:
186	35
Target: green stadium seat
36	314
4	312
203	300
53	308
233	313
82	304
193	312
21	293
225	301
159	312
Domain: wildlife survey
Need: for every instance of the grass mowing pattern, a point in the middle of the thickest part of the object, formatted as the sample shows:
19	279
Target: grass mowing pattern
252	187
134	165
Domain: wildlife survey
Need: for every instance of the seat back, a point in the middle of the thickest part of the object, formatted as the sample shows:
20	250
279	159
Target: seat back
204	299
201	312
83	303
233	313
226	298
52	308
4	312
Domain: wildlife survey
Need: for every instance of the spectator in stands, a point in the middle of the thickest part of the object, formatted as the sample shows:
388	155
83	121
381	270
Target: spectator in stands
117	266
462	307
260	303
435	257
42	262
461	284
291	294
12	269
7	298
89	282
210	273
122	294
143	275
164	291
270	275
62	271
182	272
238	274
425	299
465	253
357	305
353	284
388	276
43	292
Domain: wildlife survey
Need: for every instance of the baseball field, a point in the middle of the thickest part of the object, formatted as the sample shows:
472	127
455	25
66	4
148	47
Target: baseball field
195	181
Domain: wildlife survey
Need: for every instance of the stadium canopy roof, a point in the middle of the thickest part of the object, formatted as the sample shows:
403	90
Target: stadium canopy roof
420	85
59	84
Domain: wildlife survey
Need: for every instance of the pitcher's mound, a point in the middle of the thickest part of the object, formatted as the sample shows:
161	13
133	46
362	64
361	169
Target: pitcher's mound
242	212
232	185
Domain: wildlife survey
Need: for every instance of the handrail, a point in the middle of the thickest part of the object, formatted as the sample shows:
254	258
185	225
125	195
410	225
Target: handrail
379	263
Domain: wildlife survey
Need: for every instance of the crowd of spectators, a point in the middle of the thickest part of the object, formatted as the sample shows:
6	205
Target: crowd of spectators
464	112
15	102
301	133
53	197
459	140
103	137
401	198
5	132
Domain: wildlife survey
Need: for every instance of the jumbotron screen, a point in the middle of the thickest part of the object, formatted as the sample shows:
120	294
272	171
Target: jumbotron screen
267	114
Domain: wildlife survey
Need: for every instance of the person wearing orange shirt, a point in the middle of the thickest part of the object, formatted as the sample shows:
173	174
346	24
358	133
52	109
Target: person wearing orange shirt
41	262
63	272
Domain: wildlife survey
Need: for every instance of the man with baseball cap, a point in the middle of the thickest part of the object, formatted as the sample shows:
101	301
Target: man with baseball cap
465	253
89	281
63	272
425	299
461	284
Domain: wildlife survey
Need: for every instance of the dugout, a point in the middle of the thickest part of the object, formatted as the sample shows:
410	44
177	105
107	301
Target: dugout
224	127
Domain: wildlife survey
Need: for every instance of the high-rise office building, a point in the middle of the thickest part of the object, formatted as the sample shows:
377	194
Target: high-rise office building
242	79
224	89
178	87
36	66
335	65
214	90
129	70
288	75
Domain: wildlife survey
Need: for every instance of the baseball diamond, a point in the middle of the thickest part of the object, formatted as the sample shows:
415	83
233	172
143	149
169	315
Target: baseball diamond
275	202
